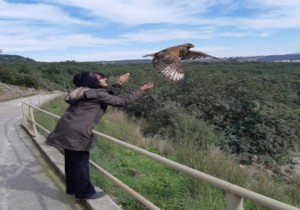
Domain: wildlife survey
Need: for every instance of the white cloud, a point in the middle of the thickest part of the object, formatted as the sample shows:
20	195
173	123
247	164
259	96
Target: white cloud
53	25
272	14
29	43
99	55
234	34
36	12
273	4
278	22
159	35
133	12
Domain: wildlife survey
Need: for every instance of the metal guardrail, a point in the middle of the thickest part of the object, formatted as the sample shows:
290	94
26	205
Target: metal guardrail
234	193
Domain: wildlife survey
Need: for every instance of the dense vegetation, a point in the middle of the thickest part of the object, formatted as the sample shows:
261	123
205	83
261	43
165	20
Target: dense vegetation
248	109
161	185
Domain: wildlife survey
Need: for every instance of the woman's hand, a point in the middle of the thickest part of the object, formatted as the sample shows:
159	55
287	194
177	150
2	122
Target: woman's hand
147	86
123	78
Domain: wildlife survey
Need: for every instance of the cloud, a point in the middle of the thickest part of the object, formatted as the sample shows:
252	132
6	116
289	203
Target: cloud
96	55
21	36
265	14
234	34
287	4
167	34
272	14
63	25
135	12
36	12
29	43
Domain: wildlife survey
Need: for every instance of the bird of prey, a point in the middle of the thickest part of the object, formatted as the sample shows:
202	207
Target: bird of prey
168	61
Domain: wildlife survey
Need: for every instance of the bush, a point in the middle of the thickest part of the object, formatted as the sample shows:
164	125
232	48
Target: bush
186	129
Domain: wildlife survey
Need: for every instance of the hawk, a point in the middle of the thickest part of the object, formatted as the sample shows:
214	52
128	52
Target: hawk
168	61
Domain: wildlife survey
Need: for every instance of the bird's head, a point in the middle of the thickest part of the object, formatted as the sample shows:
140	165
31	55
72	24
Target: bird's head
189	45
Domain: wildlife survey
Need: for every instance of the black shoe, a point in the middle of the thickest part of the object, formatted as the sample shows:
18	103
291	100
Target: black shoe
95	196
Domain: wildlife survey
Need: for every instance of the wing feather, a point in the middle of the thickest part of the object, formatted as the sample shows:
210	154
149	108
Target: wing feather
196	54
169	66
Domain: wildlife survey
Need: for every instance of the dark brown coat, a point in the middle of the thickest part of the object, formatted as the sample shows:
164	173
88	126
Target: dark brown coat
74	129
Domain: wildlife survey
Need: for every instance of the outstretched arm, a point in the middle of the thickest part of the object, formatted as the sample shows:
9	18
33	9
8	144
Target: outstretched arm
124	101
123	78
147	86
118	84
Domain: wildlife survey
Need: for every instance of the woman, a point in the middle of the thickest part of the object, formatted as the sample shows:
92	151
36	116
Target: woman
73	132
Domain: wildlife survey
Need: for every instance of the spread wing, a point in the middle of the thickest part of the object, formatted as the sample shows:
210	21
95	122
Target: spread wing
168	61
196	54
169	65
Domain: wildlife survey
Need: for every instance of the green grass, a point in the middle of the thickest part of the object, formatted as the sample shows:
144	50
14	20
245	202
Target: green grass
165	187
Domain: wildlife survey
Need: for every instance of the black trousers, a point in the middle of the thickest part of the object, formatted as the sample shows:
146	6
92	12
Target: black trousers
77	174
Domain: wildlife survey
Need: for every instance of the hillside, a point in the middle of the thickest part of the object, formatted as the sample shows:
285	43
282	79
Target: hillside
8	92
266	58
249	109
15	58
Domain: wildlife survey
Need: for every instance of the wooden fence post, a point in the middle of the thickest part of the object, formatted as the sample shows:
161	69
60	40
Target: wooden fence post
33	121
234	202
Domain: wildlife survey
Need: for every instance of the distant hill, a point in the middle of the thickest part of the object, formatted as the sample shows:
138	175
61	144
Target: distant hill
15	58
9	92
268	58
126	61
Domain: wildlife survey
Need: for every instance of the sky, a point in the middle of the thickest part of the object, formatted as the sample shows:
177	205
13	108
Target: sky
101	30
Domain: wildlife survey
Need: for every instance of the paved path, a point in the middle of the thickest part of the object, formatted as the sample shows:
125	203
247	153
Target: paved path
27	182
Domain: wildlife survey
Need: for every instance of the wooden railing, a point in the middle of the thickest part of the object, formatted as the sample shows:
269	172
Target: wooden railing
234	193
